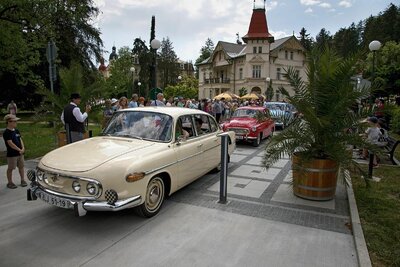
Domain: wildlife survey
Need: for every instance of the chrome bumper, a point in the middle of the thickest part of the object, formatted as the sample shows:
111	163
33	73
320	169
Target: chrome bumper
81	206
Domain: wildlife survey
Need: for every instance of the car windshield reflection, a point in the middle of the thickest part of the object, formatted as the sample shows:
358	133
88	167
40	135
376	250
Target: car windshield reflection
140	125
244	113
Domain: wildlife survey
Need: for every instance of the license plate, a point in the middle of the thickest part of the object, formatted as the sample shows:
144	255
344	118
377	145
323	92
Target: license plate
240	137
56	201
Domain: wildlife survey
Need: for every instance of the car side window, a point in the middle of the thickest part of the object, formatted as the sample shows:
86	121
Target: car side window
213	124
201	124
187	125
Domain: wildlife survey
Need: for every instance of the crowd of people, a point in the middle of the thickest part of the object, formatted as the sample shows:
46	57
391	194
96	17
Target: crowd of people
221	109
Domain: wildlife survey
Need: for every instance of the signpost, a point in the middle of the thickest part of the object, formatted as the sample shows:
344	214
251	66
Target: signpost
51	55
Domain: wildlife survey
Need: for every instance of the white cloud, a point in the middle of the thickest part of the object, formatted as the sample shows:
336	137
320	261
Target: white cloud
325	5
308	10
345	3
272	4
309	2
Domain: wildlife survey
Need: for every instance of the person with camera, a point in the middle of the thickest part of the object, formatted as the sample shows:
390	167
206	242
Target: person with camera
73	119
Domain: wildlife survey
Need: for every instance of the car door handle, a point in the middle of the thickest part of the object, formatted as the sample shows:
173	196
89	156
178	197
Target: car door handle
200	145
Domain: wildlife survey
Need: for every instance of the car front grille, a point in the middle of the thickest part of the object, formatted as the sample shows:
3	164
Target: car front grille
240	131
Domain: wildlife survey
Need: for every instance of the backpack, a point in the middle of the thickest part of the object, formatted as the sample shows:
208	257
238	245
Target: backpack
383	137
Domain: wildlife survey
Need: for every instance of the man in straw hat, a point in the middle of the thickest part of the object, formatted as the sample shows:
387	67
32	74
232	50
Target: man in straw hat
73	119
15	150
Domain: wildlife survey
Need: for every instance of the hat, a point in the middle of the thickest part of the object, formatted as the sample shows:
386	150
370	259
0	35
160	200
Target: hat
10	117
114	100
75	96
373	119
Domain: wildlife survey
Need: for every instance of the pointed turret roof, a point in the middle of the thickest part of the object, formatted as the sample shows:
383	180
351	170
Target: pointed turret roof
258	28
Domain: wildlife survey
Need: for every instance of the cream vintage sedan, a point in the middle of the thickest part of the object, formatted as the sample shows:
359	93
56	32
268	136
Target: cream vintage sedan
143	155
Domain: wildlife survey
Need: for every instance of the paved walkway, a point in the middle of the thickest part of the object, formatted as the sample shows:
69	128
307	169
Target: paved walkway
263	224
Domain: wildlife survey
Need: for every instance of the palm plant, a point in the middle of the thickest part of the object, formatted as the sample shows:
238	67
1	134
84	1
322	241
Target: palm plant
327	124
72	81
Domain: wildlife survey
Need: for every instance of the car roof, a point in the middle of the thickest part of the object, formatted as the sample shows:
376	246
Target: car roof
277	103
172	111
252	107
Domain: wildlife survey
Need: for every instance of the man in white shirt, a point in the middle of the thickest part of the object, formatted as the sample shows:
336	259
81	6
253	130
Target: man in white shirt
73	119
159	102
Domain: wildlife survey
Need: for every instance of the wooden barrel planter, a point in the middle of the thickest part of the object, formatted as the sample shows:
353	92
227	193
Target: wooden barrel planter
62	137
315	179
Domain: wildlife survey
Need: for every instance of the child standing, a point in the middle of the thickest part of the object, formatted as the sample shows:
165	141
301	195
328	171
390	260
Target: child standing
372	134
15	150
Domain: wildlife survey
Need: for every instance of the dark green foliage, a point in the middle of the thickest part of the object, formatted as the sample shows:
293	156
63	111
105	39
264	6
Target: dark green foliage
26	26
168	68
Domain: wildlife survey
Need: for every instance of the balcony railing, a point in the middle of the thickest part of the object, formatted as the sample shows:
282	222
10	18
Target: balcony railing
217	80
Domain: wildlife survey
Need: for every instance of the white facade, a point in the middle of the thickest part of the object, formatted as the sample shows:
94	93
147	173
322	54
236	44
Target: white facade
250	66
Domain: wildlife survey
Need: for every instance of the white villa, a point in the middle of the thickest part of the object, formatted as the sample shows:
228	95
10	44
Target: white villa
253	65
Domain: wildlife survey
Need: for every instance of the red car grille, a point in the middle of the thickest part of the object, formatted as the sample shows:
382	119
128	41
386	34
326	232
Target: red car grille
239	131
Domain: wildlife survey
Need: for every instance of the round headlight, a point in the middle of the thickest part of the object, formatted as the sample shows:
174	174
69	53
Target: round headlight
254	128
91	188
76	186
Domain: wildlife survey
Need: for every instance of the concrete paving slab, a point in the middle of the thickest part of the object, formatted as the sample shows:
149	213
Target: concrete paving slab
285	194
196	236
255	161
289	177
242	187
256	172
237	158
244	150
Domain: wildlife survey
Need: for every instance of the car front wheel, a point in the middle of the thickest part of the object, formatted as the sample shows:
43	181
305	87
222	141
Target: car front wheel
154	198
257	141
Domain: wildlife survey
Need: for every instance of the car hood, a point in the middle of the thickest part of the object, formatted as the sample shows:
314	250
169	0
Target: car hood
90	153
241	122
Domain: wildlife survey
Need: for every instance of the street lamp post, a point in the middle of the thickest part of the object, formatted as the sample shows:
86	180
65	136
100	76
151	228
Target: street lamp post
139	84
268	89
373	47
132	69
155	44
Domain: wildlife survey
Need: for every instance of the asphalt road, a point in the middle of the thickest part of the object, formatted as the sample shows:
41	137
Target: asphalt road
192	229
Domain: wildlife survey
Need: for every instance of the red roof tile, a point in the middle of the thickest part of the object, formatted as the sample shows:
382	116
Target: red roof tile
258	28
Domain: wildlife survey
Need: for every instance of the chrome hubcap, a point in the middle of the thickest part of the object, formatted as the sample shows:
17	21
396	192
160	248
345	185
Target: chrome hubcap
155	194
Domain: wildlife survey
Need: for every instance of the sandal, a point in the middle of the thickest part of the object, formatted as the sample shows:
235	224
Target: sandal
23	184
11	186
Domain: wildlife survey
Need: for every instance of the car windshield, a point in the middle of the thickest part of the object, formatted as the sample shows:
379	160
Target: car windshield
244	113
141	125
275	106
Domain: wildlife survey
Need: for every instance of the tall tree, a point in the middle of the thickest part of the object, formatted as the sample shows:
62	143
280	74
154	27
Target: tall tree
25	28
305	39
145	58
168	66
323	38
205	52
388	67
346	41
383	27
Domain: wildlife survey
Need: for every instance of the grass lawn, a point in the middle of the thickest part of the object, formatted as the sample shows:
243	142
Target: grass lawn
40	139
379	209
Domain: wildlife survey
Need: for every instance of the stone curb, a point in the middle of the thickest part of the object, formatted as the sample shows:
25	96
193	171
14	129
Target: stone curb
358	235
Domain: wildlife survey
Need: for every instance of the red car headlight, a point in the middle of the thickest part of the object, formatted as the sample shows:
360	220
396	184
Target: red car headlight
254	128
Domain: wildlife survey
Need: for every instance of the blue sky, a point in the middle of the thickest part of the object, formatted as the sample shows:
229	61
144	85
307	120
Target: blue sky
188	23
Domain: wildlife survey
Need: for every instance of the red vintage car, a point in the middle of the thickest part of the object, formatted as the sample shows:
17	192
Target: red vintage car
250	124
